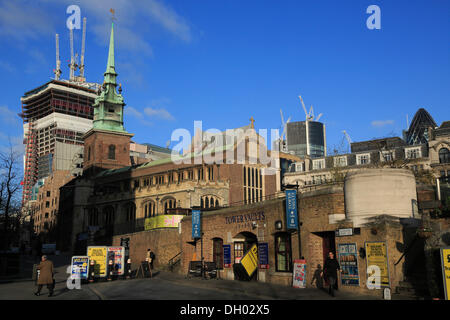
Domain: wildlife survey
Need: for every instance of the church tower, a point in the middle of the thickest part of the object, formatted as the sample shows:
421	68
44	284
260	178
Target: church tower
107	144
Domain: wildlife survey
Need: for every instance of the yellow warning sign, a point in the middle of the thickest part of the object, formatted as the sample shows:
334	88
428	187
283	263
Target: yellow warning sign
250	260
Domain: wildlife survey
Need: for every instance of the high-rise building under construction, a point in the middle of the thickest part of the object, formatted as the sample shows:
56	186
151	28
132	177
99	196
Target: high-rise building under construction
55	117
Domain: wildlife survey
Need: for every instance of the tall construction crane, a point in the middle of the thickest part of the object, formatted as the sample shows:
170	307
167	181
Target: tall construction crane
72	59
349	140
83	42
57	71
309	115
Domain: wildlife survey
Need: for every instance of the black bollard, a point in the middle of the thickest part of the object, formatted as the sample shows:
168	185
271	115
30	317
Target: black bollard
128	269
109	270
91	273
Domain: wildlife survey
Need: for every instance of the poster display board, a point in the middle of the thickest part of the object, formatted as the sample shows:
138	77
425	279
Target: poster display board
80	267
299	274
445	259
250	260
117	254
376	255
348	260
99	254
263	255
227	255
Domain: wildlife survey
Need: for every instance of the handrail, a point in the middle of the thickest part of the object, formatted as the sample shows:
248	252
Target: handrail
171	260
407	249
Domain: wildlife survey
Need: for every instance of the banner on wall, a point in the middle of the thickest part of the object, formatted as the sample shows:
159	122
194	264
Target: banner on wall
163	221
291	210
376	255
99	254
445	259
348	260
299	274
196	224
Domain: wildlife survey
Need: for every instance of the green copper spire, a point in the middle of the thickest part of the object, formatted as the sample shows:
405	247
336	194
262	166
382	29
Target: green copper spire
110	74
108	106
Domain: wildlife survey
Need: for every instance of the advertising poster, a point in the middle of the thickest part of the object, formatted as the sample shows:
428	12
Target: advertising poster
80	267
227	255
299	274
376	254
348	260
250	260
445	258
291	210
117	254
263	254
196	224
163	221
98	254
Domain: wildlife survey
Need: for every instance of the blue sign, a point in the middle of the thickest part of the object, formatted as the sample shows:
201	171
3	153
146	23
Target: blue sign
291	210
263	253
196	224
227	255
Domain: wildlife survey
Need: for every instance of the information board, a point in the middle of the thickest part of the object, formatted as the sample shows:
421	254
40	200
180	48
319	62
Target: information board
376	255
227	256
99	255
80	267
117	254
445	259
263	255
348	260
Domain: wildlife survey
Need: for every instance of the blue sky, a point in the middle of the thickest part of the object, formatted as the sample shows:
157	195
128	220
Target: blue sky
223	62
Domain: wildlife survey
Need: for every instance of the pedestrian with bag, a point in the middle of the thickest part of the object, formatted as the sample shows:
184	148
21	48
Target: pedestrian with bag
45	276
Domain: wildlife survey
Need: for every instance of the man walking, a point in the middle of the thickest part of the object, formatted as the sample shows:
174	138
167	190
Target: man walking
330	269
45	276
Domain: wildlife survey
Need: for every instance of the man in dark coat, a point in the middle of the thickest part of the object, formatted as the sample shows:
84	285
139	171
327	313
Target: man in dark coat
45	276
330	269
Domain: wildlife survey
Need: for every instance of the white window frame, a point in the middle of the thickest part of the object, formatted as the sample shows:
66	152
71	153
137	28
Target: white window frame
318	164
359	156
384	153
337	161
299	167
408	152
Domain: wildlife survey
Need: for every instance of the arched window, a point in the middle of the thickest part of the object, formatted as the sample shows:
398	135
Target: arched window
112	152
149	209
217	203
444	155
130	211
169	203
206	202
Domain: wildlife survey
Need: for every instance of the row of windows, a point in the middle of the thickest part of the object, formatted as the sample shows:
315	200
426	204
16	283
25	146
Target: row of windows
170	177
253	184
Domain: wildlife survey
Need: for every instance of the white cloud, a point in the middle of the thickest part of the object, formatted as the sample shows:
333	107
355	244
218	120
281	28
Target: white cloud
133	112
159	113
8	116
381	123
21	21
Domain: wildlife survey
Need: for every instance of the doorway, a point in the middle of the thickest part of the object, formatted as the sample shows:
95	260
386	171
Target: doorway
328	245
242	244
